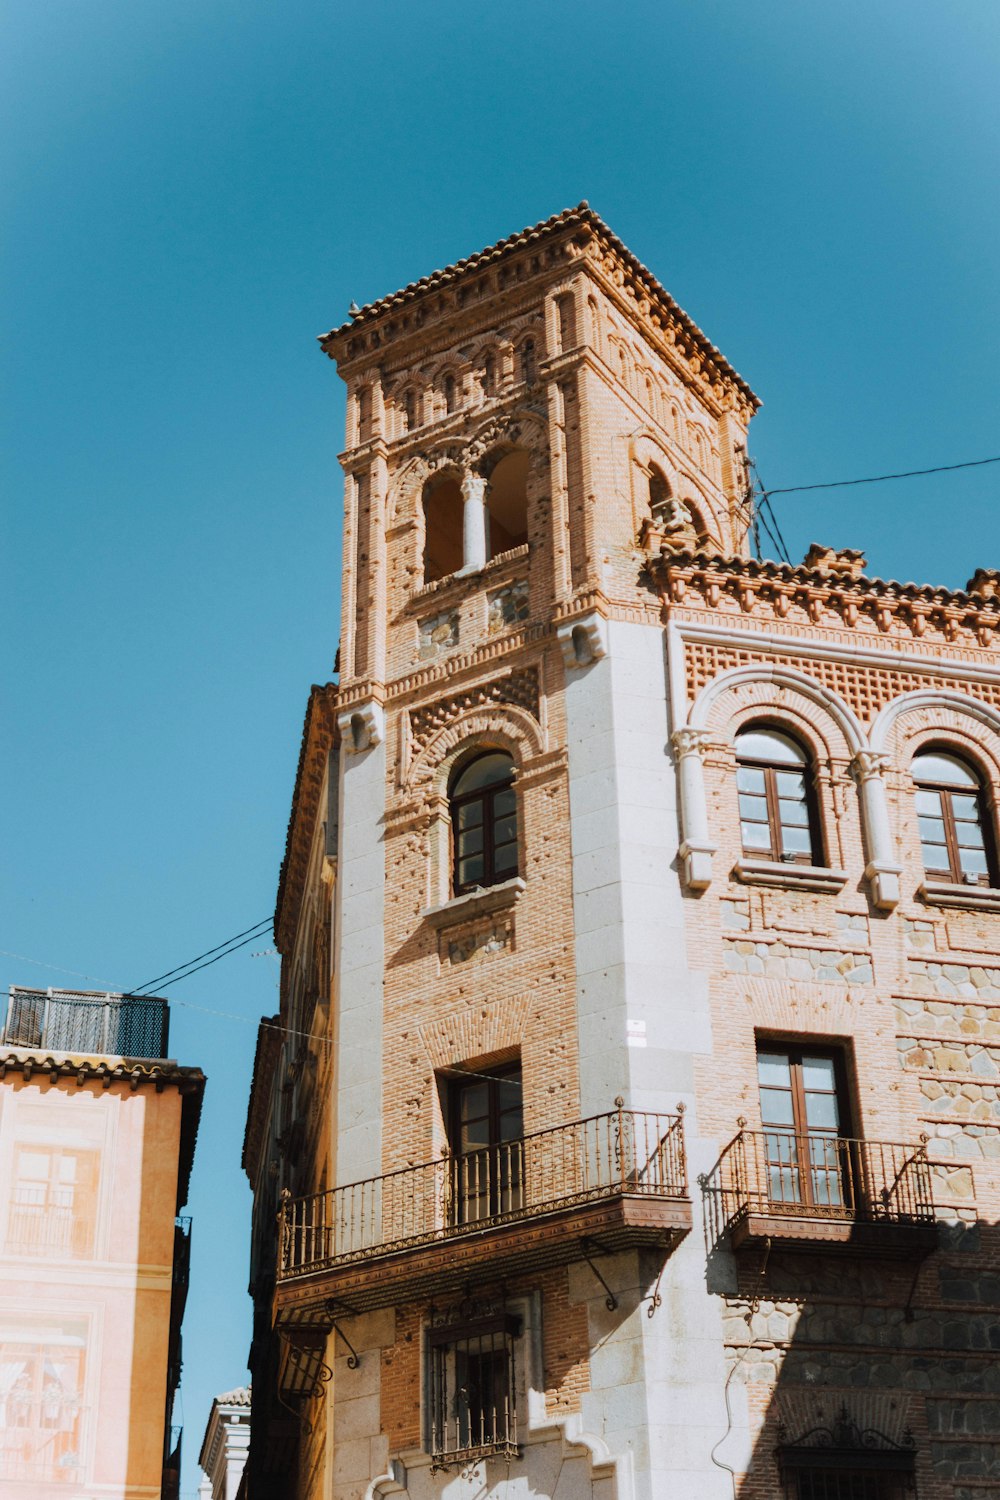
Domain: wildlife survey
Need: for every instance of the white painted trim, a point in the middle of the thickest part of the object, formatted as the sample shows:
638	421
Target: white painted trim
830	651
782	676
790	877
934	698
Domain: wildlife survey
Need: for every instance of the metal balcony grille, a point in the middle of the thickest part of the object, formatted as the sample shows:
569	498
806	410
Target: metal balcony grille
776	1173
625	1153
87	1022
847	1484
473	1408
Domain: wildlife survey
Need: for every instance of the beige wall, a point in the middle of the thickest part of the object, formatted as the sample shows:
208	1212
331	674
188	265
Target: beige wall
86	1251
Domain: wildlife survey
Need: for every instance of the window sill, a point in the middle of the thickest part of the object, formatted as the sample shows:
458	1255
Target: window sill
477	903
972	897
790	877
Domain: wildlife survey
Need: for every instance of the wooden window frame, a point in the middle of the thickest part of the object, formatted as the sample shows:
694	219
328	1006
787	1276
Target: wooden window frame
815	856
487	795
456	1083
798	1052
946	791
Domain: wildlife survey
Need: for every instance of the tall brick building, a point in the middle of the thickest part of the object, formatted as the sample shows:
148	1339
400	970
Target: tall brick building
632	1111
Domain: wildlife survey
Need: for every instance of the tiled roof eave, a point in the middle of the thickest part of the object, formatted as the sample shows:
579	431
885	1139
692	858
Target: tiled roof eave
767	571
582	215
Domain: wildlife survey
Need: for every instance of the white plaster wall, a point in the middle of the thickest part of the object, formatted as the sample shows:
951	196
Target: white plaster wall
359	965
643	1015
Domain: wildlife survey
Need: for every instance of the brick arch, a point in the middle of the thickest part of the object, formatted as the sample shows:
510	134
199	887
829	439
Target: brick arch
756	688
500	726
940	714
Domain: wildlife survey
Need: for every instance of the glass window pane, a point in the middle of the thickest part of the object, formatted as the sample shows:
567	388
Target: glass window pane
931	830
790	784
776	1107
796	840
505	858
505	831
769	745
505	801
485	770
474	1101
928	802
471	815
754	808
470	870
509	1092
795	813
973	861
819	1073
822	1112
756	835
750	779
939	767
470	842
965	807
774	1068
969	835
474	1136
935	858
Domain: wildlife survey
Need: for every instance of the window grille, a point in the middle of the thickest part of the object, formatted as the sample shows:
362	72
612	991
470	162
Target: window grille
473	1407
847	1484
84	1021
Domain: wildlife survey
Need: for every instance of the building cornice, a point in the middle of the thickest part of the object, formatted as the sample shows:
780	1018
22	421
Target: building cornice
771	589
319	735
577	235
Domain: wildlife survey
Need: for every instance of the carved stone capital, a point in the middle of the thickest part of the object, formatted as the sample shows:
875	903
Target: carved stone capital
868	764
474	488
688	741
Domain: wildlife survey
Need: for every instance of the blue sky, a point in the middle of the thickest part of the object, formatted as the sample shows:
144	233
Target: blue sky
193	191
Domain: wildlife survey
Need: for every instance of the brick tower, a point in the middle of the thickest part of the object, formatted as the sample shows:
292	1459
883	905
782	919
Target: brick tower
621	871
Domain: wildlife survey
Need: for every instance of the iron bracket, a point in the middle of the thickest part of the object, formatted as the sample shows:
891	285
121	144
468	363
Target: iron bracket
610	1301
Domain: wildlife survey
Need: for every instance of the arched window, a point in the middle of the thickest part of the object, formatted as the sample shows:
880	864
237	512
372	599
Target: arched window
484	821
950	813
443	521
507	502
527	353
450	393
409	411
489	375
777	816
659	492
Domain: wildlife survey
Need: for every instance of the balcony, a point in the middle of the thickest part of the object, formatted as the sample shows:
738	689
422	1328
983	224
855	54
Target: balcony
822	1192
607	1183
181	1274
87	1022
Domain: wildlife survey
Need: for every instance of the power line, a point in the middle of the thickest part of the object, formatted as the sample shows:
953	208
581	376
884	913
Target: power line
176	973
233	948
836	484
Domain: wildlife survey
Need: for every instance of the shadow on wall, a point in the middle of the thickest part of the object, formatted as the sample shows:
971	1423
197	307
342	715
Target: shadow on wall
862	1352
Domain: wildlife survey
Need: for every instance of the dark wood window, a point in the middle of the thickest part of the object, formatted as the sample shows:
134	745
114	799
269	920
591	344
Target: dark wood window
485	1130
484	822
950	813
527	353
854	1482
473	1389
805	1115
777	807
450	393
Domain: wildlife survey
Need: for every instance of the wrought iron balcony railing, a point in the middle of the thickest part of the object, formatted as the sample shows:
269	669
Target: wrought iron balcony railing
777	1184
623	1155
88	1022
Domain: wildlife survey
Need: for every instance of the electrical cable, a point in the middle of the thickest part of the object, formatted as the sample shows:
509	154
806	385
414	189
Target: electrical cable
836	484
137	995
254	931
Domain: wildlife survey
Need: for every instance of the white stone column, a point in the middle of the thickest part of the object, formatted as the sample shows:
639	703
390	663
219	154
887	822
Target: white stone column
883	869
474	535
696	848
